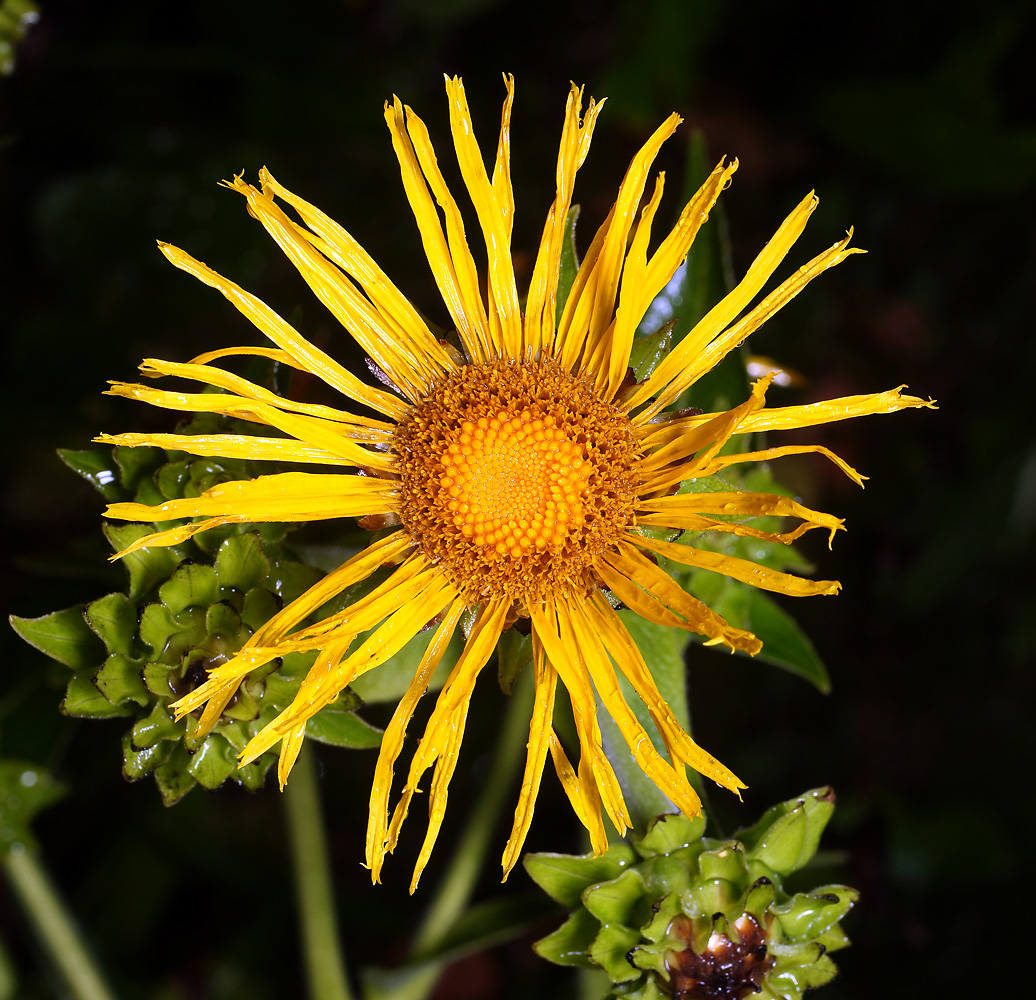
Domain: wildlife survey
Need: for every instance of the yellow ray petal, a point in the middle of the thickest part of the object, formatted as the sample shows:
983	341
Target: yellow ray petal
404	361
540	731
738	569
721	462
502	167
582	794
445	728
310	358
642	280
541	306
332	674
629	659
651	592
592	317
448	255
699	522
392	740
726	309
575	677
738	504
505	318
242	446
673	783
347	253
291	746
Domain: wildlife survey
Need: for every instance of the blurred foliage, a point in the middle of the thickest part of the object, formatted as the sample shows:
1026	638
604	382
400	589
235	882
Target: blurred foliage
913	122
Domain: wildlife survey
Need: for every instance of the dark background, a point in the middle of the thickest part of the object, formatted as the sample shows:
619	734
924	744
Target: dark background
914	122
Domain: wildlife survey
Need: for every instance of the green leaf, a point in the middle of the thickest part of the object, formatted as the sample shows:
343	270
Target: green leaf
807	915
343	729
157	627
787	834
191	585
570	943
213	762
563	877
390	681
120	680
784	643
96	466
615	901
514	654
647	352
83	700
609	951
114	619
137	464
138	763
669	833
146	567
63	635
569	263
154	728
241	563
172	777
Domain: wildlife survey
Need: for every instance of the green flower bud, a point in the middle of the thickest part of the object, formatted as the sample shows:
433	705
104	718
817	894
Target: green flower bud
187	608
679	915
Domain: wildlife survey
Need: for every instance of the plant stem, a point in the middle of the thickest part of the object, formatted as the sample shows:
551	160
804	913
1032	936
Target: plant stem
325	967
54	926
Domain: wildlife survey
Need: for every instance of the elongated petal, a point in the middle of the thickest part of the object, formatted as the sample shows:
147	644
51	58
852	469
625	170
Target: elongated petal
739	569
392	740
721	462
243	446
311	358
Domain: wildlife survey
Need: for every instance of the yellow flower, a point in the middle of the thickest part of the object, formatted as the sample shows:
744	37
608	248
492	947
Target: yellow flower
517	473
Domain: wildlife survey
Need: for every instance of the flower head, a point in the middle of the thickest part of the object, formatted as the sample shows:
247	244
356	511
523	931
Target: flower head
516	472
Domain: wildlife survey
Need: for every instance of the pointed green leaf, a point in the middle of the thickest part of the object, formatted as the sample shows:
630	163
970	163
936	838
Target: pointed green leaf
343	729
788	834
192	585
784	643
514	654
137	464
120	680
63	635
570	943
83	700
96	466
114	619
172	777
241	562
569	264
647	352
564	876
609	951
146	567
616	901
213	762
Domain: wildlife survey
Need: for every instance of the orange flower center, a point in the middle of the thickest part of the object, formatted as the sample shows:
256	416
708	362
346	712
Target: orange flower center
515	477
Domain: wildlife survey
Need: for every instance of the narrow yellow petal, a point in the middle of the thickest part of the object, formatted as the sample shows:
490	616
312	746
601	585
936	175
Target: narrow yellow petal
738	504
291	746
575	676
541	306
448	255
311	358
717	318
540	731
721	462
582	794
738	569
406	365
392	740
505	318
242	446
347	253
629	659
502	167
651	592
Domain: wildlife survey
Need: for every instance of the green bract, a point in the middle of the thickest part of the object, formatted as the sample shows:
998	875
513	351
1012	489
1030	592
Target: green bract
676	914
187	608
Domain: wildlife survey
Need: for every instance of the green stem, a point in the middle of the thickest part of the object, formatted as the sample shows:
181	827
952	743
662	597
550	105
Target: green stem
325	967
54	926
